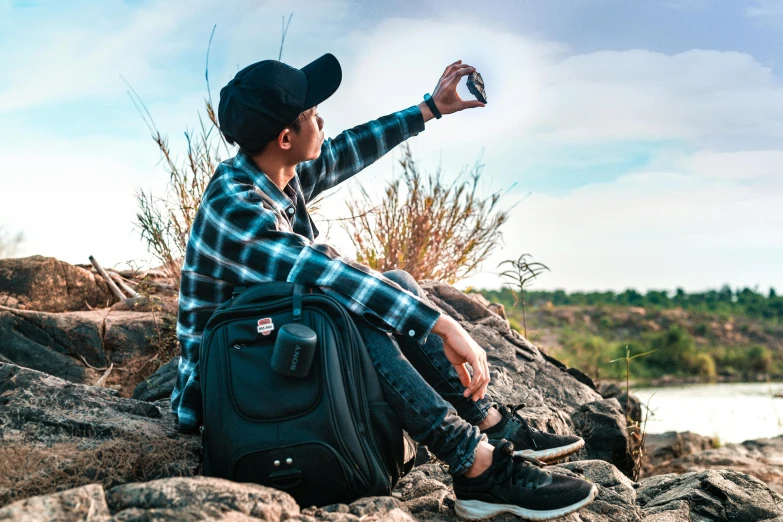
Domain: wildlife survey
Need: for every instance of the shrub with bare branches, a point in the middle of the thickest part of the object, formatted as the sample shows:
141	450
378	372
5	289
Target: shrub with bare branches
431	231
165	222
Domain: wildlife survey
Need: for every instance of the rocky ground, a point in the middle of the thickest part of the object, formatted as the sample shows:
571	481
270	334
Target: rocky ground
63	320
78	443
688	452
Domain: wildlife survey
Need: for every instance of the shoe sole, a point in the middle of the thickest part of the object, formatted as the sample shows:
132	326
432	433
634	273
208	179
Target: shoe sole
478	510
552	454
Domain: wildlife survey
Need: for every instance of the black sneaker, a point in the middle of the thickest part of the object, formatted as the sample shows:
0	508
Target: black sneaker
518	485
529	441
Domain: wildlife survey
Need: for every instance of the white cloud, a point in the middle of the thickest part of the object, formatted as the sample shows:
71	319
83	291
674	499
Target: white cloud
655	229
766	12
699	227
765	164
709	97
542	101
383	68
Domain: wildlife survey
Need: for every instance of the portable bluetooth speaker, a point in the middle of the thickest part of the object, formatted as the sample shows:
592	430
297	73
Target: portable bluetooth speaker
294	350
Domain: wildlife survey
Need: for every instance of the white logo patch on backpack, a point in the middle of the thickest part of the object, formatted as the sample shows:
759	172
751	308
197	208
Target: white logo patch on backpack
265	326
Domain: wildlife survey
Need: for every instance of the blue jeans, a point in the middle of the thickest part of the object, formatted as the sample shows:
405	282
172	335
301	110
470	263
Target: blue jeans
423	389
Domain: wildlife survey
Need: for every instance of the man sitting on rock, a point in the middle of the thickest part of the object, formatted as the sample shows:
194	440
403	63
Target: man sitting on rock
252	226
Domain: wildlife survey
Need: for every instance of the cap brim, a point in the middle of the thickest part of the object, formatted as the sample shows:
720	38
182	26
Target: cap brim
323	78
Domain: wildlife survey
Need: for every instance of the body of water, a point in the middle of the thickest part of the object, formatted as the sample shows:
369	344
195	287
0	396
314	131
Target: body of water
734	412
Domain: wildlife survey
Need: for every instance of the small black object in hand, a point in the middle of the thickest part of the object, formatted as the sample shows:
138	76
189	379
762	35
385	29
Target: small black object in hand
476	87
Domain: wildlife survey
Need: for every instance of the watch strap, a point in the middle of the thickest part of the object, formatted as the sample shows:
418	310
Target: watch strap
432	106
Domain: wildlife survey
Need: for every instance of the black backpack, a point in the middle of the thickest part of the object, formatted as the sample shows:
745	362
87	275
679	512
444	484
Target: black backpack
330	437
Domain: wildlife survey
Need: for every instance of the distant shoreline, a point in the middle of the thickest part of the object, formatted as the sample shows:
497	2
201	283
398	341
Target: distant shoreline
669	381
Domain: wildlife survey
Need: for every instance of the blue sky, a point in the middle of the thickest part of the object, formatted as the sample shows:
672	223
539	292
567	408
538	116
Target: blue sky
649	135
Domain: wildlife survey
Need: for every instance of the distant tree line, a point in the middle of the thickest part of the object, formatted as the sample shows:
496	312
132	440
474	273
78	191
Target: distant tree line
744	301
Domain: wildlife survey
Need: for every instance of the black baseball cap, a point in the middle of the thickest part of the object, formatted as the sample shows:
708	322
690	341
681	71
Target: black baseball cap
267	96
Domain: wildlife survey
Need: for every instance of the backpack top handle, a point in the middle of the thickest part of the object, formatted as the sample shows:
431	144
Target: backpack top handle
271	290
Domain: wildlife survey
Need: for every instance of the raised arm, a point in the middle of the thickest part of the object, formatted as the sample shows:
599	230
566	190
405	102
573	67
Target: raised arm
354	149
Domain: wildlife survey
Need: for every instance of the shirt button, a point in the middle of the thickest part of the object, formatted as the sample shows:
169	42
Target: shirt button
290	210
411	333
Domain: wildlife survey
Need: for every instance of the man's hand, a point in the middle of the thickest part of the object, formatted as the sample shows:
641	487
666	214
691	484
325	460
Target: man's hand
445	95
460	348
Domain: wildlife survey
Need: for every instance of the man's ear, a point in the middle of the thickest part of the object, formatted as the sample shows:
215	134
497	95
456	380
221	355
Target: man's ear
284	139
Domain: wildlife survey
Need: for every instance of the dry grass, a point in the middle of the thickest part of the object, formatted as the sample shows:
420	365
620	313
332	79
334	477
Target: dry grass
55	437
164	341
29	469
637	433
165	222
433	231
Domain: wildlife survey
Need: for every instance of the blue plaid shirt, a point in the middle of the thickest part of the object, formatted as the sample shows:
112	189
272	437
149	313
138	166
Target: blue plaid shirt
248	231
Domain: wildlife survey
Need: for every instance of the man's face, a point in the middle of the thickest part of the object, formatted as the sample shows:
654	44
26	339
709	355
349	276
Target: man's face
306	145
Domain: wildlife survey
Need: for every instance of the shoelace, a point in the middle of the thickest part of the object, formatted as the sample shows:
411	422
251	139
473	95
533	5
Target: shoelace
512	412
523	470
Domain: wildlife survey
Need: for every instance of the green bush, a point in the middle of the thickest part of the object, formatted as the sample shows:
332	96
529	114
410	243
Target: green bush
592	353
701	364
760	359
745	361
606	323
590	346
674	348
701	330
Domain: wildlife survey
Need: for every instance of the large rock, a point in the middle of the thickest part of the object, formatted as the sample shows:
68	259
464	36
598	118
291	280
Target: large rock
55	434
716	496
80	346
761	458
663	447
160	384
632	407
616	500
63	345
92	455
199	498
191	499
49	285
603	426
86	503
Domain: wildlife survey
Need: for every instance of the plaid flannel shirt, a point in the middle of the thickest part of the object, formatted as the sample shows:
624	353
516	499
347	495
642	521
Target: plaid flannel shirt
248	231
